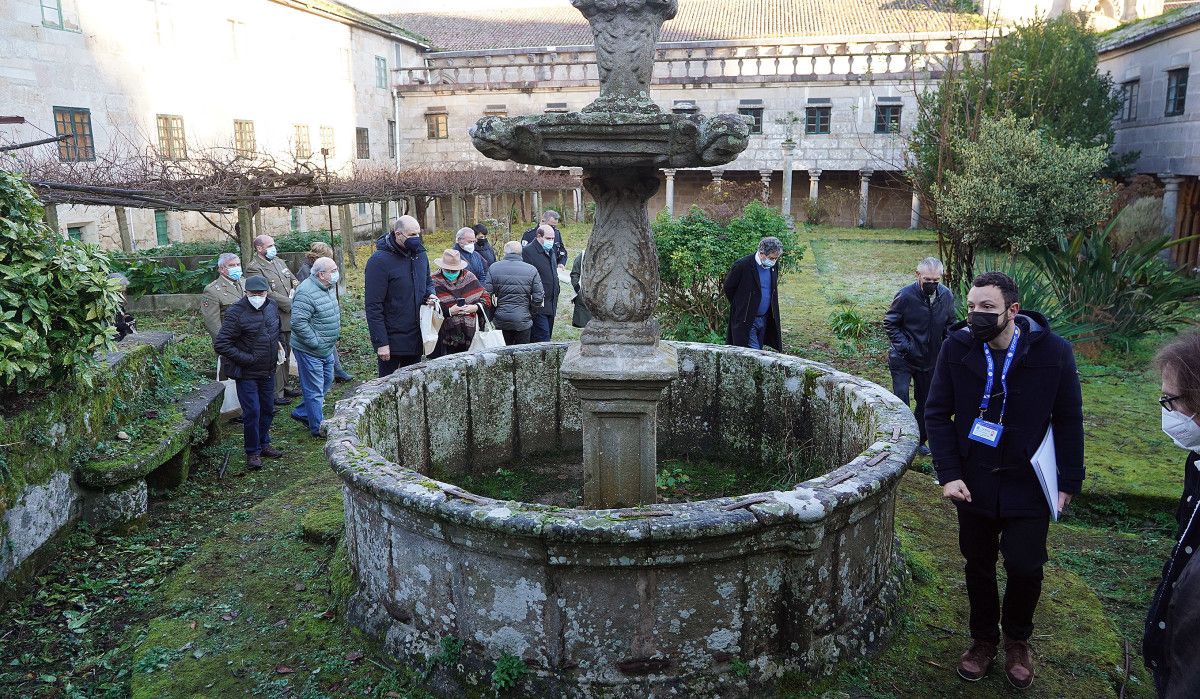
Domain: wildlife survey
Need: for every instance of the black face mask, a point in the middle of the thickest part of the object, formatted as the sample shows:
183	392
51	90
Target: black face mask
983	326
930	288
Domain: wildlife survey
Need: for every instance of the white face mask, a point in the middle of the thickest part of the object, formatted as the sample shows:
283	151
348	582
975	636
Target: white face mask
257	301
469	247
1182	429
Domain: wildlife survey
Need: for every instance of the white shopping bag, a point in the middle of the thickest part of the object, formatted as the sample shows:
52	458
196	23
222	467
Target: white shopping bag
486	336
430	324
229	403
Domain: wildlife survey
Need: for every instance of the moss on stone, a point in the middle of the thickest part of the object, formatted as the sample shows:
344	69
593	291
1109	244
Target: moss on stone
324	521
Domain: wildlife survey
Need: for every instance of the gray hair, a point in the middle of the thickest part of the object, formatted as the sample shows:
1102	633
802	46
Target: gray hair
323	264
550	215
462	232
406	224
512	246
225	258
770	245
931	264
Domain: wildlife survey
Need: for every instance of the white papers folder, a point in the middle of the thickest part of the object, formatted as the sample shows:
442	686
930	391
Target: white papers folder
1045	465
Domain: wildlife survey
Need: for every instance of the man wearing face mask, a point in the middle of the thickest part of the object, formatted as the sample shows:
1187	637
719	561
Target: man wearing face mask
1001	379
542	255
752	287
267	264
396	282
316	326
219	295
1171	641
464	243
250	350
917	322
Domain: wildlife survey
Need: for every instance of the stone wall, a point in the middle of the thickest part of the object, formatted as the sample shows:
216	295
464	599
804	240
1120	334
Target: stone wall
663	599
53	470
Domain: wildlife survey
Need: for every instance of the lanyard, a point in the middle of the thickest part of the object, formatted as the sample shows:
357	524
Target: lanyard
991	370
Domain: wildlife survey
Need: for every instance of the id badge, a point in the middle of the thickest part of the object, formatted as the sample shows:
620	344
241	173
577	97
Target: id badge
986	432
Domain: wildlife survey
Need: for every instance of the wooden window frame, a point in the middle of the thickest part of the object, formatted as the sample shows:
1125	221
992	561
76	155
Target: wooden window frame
362	142
818	120
172	136
302	146
244	141
755	113
1177	80
81	147
437	125
888	118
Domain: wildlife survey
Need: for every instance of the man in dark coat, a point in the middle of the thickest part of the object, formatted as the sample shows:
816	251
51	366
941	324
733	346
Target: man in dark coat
517	287
549	218
250	350
917	322
1001	379
482	246
464	243
396	282
752	287
540	253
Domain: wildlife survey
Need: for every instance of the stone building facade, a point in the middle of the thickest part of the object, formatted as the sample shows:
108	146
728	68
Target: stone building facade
1154	64
277	76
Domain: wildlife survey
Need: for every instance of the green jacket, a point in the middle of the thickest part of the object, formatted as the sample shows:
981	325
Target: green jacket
316	319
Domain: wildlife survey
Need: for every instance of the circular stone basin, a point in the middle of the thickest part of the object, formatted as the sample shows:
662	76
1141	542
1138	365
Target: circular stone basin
717	597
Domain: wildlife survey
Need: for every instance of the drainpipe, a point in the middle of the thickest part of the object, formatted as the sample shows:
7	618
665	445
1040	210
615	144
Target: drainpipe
396	117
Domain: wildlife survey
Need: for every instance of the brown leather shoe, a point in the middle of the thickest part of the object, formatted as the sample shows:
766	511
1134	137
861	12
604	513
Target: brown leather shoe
253	462
977	660
271	452
1018	663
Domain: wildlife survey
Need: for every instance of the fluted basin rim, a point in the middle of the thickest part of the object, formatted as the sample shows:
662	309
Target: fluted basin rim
876	468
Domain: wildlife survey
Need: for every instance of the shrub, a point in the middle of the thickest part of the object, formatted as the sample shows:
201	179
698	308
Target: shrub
1036	295
287	242
1126	293
56	301
725	200
1141	221
150	277
695	252
1018	189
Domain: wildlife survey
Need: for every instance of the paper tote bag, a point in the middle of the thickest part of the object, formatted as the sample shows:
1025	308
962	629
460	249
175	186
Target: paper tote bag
430	324
487	336
230	402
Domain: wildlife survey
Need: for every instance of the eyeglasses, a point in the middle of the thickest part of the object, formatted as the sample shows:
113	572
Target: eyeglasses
1167	402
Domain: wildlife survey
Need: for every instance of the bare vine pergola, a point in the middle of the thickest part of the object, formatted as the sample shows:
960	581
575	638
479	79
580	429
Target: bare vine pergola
224	181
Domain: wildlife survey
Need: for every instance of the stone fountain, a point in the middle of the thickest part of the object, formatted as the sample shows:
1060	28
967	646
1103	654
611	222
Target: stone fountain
624	596
619	368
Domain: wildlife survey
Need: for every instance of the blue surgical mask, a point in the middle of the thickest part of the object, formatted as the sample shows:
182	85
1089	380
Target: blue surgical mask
768	262
235	273
271	253
334	276
547	245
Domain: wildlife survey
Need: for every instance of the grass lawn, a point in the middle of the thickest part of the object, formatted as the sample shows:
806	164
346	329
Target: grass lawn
233	587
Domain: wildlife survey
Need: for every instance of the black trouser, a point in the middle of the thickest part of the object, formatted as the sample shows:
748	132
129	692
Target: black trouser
902	374
1022	540
397	361
517	337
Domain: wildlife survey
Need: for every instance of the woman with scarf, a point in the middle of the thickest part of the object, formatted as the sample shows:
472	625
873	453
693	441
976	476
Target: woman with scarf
462	299
1171	644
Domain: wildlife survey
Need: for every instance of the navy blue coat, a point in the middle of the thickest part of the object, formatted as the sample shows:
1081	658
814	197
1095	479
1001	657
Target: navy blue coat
249	340
475	263
1043	390
396	284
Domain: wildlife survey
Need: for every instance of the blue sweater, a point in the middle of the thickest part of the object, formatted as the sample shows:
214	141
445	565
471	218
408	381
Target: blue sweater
764	285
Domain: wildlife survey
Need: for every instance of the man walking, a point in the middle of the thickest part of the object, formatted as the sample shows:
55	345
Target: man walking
464	243
1001	379
549	218
267	264
916	324
249	346
316	326
396	282
517	286
540	254
752	287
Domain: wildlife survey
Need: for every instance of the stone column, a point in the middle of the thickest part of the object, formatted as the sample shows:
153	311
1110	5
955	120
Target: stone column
789	150
1170	203
914	221
536	206
246	232
51	216
346	231
670	176
620	368
457	204
765	176
864	188
814	183
718	177
123	228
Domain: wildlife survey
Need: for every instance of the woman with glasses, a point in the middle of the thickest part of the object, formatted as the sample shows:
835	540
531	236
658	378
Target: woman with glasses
1171	644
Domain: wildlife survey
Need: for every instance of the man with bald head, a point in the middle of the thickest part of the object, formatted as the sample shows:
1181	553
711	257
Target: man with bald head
396	283
542	255
266	263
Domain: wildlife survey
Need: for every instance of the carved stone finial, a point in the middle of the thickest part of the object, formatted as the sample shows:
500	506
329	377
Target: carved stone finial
625	33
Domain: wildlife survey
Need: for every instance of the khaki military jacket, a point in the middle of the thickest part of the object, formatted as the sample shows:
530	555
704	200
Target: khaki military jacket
218	296
283	284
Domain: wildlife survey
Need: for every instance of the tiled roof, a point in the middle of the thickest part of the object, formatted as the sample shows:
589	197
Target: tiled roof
559	24
1127	34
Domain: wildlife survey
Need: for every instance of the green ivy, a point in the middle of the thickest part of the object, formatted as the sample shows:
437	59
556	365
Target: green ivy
56	301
